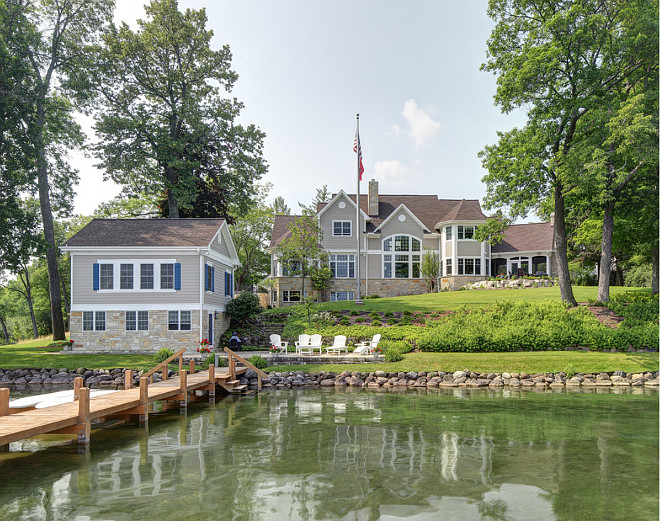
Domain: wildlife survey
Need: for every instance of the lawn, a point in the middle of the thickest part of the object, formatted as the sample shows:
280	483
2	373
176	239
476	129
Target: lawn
451	300
32	354
528	362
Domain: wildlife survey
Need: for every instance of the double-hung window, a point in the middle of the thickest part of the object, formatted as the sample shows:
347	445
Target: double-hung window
406	260
167	276
209	277
466	232
179	321
467	266
106	276
342	266
93	321
125	276
137	321
341	228
449	233
146	276
291	295
448	267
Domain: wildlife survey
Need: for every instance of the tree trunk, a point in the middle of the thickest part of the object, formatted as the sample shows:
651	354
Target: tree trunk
65	295
561	245
172	205
4	329
25	279
654	274
56	318
605	264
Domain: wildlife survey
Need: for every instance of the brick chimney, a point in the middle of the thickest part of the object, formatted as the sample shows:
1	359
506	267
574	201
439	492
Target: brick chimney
373	197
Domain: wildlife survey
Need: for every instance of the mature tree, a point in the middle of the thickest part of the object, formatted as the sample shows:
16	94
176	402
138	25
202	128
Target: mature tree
322	196
163	123
430	269
559	61
250	234
302	249
129	206
48	44
279	207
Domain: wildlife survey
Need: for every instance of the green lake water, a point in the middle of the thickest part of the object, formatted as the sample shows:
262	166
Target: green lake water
354	455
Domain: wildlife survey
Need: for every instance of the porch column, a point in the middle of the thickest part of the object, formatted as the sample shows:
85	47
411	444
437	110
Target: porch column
547	264
483	259
454	248
529	265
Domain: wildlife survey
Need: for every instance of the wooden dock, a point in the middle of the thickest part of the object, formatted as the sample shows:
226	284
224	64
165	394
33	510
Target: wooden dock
76	417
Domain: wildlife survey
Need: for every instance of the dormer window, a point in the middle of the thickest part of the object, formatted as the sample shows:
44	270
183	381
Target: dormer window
342	228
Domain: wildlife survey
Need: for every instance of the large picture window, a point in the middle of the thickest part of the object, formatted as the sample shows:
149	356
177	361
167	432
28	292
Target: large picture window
405	263
468	266
342	266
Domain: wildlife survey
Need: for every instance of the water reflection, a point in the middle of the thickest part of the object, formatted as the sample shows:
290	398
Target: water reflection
468	455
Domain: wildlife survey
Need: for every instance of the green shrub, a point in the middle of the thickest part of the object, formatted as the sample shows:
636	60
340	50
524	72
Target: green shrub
374	315
60	343
367	297
376	323
392	354
243	307
407	313
639	276
359	319
392	321
258	362
162	355
389	314
344	321
355	313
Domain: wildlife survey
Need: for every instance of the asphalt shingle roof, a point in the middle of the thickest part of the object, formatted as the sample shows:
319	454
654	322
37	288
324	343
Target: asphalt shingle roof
147	232
526	237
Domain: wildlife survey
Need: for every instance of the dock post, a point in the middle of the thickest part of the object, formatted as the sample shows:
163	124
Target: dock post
211	382
183	389
192	366
144	400
166	372
4	401
4	411
128	379
84	423
77	384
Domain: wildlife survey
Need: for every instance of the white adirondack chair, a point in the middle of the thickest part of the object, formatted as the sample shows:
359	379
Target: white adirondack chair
367	348
302	345
338	345
278	345
315	343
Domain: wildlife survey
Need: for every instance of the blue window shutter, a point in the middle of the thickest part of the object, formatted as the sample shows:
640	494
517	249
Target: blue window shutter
212	278
231	285
96	276
177	276
226	284
206	277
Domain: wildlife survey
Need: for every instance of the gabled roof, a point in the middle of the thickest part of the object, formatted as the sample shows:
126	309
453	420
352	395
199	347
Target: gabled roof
146	233
526	237
404	208
320	209
429	209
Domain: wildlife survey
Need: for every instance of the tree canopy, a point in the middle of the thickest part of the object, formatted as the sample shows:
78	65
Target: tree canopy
164	126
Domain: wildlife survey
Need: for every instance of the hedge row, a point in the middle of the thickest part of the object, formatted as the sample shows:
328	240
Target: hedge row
524	326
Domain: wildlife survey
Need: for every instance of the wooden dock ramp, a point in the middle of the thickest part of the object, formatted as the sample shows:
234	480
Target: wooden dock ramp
76	417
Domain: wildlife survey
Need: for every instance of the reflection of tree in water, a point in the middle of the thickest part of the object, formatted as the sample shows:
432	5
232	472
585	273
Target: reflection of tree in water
495	510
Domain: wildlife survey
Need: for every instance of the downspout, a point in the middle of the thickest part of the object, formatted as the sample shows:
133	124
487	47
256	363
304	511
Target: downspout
366	266
202	281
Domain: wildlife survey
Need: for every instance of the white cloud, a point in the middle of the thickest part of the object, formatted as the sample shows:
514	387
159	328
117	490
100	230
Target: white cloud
422	127
394	173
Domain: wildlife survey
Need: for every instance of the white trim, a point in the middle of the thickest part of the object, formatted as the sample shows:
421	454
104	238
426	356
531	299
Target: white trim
186	306
441	224
336	198
506	254
230	244
219	257
214	309
342	221
188	250
403	207
116	275
202	270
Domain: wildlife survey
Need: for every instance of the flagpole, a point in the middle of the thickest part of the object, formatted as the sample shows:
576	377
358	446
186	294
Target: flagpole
358	299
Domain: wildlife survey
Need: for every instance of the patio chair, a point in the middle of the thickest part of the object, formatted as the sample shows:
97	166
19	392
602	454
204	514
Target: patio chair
367	348
302	345
315	343
278	345
338	345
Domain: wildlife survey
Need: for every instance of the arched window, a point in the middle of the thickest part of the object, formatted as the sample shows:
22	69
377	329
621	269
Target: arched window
401	257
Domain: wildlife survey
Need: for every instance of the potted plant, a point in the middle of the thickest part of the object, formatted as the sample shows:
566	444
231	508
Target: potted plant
204	348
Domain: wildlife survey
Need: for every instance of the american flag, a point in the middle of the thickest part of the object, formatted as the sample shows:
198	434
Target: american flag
358	149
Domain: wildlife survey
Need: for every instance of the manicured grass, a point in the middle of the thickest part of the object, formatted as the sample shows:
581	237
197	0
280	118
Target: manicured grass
451	300
29	354
528	362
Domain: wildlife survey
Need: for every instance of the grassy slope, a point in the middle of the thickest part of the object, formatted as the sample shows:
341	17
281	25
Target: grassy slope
450	300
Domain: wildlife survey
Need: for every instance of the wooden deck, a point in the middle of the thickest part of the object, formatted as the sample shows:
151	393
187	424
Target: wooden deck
76	417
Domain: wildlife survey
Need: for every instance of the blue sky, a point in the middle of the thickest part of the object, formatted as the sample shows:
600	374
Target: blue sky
411	69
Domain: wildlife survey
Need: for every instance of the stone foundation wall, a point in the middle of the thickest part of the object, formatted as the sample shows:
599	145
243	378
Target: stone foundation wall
115	338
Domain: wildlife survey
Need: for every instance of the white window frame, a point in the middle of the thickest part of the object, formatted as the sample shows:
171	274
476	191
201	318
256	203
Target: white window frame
348	262
343	222
95	321
349	294
460	233
136	314
111	276
460	265
178	320
449	233
286	295
390	257
137	275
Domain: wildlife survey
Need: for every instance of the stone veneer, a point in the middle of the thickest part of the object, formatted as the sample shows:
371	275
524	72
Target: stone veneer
115	338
